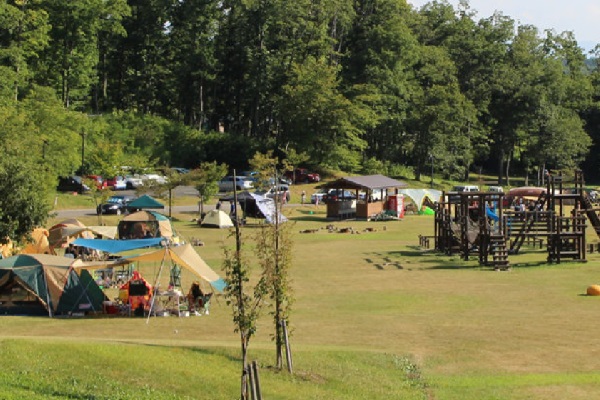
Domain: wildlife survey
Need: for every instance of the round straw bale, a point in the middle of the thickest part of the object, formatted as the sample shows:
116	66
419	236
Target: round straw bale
593	290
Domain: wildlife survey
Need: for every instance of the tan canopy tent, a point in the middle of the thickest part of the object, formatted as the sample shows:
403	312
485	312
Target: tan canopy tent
186	257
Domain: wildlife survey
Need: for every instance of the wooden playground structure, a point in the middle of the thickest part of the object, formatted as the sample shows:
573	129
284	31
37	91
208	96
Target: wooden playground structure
482	224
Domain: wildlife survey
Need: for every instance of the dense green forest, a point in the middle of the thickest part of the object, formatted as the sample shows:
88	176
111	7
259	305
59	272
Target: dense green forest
361	86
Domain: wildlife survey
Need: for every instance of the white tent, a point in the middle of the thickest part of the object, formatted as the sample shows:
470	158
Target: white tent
419	195
217	219
266	206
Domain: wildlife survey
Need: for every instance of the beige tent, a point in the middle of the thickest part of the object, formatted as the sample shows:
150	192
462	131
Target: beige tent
107	232
186	257
144	224
7	249
39	243
63	233
216	219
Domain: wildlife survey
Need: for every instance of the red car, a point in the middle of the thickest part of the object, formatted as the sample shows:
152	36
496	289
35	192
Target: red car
100	183
302	175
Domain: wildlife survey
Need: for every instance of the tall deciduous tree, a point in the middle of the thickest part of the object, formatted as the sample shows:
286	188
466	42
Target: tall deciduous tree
23	35
320	120
382	53
70	64
441	118
24	197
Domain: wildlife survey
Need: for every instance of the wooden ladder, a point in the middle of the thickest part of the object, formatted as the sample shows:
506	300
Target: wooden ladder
499	253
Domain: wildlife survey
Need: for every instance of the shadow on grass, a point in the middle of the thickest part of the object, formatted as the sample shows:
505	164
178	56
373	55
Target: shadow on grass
310	218
434	260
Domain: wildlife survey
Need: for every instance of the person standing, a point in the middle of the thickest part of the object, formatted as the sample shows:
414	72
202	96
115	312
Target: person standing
303	197
232	208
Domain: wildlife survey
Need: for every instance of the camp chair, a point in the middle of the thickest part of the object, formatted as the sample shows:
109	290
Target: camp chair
198	300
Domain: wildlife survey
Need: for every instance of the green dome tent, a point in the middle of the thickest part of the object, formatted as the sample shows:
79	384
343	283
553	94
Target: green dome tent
40	284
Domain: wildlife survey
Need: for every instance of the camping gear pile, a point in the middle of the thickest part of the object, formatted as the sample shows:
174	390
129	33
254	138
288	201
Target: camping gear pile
39	282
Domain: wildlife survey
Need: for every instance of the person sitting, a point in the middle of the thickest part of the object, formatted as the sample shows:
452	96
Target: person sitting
198	300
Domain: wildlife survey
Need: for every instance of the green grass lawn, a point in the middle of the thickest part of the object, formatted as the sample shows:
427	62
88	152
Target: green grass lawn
375	317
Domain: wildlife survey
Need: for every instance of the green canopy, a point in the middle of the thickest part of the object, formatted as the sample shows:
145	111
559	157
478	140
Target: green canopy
36	284
145	201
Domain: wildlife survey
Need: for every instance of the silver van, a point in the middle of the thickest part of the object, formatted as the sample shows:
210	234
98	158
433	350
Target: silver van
465	189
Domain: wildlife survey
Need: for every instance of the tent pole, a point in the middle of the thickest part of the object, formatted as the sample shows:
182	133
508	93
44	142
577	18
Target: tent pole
157	283
47	293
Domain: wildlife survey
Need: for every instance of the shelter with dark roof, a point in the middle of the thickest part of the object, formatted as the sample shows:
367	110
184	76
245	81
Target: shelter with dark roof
374	194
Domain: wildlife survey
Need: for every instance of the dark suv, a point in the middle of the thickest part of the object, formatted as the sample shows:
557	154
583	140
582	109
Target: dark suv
71	184
115	205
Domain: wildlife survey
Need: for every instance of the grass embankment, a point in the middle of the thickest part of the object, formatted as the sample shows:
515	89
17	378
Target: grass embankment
375	317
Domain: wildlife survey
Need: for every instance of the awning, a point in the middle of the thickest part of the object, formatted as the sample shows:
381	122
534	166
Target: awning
117	246
188	258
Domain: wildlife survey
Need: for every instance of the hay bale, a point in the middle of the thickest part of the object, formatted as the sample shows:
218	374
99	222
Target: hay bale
593	290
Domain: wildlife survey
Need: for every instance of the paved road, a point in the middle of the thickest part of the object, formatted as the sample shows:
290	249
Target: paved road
179	191
74	213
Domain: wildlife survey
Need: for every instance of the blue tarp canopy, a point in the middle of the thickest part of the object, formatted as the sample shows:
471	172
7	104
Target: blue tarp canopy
117	246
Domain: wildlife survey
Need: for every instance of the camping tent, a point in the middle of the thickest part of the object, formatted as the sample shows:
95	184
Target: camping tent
418	196
37	284
257	206
39	243
188	258
247	204
144	224
217	219
63	233
145	202
266	206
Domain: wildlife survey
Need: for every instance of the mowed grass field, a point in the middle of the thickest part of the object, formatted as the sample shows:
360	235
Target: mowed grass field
375	317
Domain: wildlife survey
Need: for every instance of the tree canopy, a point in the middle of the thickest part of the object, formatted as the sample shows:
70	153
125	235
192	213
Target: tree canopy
353	85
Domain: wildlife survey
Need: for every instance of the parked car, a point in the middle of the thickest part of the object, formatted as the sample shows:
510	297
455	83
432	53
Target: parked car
154	179
228	183
323	195
133	182
376	195
116	183
460	189
100	183
72	184
317	197
277	192
335	195
302	175
115	205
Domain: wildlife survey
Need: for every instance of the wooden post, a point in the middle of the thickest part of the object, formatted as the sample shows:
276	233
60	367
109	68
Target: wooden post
288	351
251	382
256	380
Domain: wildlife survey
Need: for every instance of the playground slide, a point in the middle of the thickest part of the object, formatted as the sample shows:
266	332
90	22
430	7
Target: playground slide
591	213
490	214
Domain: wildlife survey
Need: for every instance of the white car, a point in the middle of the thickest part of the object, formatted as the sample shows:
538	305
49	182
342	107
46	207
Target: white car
228	183
317	197
276	193
154	178
133	182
